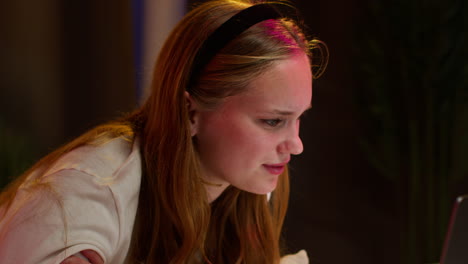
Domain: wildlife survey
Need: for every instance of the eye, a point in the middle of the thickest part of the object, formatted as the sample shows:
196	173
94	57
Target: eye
272	122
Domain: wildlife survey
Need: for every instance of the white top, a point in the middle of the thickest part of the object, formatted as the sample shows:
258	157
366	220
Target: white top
88	201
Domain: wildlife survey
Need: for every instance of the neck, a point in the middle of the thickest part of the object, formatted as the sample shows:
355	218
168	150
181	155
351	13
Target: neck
214	190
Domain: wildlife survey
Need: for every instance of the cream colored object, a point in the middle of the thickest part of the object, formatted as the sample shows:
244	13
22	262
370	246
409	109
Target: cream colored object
298	258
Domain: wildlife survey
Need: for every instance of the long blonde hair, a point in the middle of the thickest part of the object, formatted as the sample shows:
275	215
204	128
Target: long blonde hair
174	222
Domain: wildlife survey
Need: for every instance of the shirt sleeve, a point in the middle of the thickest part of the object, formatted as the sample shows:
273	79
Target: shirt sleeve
69	211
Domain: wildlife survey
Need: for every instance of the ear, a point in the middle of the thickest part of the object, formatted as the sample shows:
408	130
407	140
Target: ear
193	113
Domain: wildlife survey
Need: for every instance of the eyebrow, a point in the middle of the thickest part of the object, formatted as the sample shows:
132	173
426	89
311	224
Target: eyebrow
288	113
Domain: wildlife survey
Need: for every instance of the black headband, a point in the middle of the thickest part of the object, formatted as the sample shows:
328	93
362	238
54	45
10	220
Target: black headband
228	31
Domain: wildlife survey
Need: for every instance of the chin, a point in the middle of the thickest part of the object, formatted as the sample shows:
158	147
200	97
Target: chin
264	190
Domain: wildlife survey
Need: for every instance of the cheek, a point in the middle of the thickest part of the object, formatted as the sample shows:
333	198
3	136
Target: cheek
236	142
234	139
250	143
238	138
218	137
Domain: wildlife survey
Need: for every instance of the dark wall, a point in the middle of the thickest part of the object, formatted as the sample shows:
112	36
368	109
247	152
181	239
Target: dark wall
99	75
31	87
341	211
66	66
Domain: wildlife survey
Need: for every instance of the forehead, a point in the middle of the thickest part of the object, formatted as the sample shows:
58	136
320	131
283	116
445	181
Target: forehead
287	85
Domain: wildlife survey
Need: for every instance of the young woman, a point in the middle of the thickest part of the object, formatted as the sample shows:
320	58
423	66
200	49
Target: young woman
198	174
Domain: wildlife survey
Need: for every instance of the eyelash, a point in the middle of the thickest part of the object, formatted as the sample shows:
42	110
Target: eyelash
277	122
272	122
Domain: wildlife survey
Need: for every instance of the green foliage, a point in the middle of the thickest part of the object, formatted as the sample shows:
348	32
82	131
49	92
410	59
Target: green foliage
412	57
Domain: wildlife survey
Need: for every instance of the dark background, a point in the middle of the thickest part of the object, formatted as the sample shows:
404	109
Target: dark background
341	211
67	66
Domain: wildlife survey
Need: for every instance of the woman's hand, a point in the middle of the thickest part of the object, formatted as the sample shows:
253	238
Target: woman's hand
91	255
298	258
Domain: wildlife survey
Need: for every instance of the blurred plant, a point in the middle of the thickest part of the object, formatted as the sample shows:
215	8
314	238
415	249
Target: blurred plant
15	156
412	59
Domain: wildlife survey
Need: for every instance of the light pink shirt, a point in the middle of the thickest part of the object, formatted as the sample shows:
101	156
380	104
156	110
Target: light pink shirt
89	201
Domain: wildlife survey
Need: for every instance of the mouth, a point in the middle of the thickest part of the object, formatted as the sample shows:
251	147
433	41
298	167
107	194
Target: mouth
275	169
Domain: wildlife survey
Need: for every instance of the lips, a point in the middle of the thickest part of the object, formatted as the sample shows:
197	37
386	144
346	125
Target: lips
274	169
277	168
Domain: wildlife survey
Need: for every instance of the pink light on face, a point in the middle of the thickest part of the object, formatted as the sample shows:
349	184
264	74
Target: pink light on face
238	147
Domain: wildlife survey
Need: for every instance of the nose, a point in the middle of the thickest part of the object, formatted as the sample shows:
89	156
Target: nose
293	143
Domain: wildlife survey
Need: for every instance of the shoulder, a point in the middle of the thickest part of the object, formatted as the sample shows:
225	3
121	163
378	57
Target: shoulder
86	200
103	181
104	161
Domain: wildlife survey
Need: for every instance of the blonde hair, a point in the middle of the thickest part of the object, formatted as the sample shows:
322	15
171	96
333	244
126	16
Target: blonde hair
174	222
